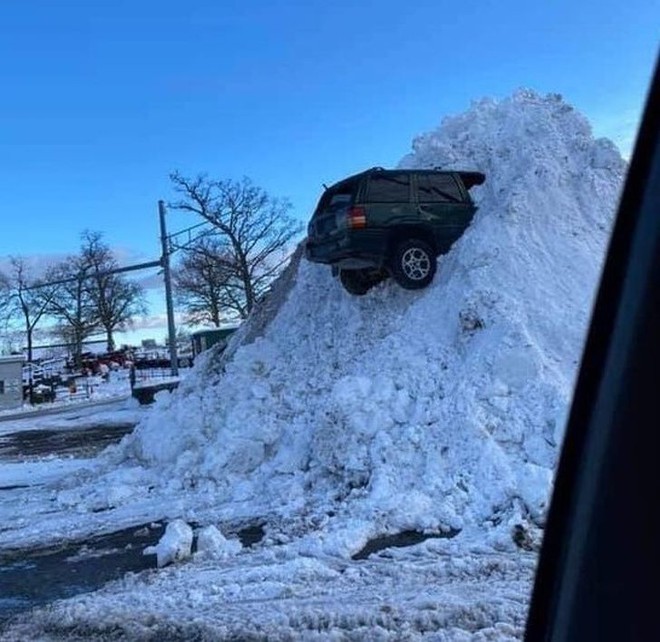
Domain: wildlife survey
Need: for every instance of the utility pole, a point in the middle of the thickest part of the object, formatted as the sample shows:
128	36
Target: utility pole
165	263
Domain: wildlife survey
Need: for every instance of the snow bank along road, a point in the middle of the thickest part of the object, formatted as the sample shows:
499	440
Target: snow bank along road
336	422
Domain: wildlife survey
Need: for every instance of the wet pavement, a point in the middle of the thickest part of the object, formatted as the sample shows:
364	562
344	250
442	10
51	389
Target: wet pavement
400	540
34	578
87	442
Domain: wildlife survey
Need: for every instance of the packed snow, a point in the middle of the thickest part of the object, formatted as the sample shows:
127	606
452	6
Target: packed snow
174	546
347	419
277	595
212	543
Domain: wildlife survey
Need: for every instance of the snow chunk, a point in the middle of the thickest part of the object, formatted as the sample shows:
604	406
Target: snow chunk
175	544
535	483
212	543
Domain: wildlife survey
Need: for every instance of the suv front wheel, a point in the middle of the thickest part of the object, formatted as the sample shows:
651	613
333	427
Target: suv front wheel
413	264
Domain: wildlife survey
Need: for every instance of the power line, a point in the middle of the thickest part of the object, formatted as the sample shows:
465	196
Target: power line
82	276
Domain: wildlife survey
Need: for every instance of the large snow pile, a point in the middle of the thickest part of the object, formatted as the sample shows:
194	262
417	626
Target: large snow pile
439	410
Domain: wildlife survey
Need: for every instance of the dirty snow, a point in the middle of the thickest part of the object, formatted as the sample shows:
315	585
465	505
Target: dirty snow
278	595
349	419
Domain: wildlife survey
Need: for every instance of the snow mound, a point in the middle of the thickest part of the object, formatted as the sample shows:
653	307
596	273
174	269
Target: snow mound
439	410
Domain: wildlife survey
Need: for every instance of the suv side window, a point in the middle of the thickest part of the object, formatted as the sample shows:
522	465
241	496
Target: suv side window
388	188
438	188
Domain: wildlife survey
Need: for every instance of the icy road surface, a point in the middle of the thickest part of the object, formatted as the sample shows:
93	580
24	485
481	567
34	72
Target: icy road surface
419	594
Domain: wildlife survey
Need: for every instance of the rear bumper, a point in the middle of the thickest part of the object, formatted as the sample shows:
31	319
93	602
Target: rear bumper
344	253
328	252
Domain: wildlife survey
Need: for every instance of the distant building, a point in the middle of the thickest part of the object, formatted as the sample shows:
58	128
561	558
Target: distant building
11	382
149	344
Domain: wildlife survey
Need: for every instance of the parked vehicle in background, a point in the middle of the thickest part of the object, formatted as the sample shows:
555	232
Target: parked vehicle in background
40	380
204	339
394	223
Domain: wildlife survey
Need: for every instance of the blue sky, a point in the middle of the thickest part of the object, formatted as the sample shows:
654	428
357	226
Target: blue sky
101	100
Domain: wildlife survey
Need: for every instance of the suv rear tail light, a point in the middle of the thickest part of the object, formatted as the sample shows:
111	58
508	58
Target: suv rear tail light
357	218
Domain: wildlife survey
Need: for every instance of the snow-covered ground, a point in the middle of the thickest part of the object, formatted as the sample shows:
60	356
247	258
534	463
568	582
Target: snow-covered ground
105	410
277	594
438	412
88	391
42	468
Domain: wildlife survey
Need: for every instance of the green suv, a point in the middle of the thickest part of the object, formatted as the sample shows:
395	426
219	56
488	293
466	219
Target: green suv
390	222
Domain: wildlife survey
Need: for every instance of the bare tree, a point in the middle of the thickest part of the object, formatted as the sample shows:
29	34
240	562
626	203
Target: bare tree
28	299
7	310
256	227
205	283
116	299
5	299
13	341
74	307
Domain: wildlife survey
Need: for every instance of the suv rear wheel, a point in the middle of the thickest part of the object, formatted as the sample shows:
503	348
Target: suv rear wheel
413	264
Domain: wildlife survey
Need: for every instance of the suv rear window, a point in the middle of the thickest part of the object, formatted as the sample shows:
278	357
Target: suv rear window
338	197
389	188
435	188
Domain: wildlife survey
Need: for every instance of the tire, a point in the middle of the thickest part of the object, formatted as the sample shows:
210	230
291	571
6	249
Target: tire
413	264
355	282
